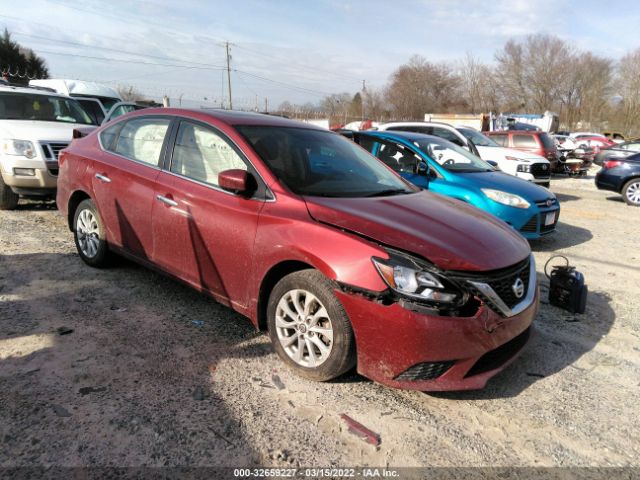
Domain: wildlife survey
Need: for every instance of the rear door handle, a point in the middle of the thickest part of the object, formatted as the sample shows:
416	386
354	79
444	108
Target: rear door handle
168	201
103	178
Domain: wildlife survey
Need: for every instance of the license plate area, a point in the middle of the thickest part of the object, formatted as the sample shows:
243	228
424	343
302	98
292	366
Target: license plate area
549	219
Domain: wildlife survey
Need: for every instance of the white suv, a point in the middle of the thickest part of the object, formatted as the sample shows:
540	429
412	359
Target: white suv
34	126
527	166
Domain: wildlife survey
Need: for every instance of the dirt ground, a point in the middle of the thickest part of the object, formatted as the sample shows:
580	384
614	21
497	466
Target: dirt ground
156	374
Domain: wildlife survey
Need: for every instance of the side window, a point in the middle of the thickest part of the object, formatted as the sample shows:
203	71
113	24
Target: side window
141	139
201	154
447	135
366	143
524	141
400	158
501	140
108	135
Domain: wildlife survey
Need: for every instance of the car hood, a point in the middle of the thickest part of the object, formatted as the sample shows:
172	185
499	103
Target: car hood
507	183
500	153
37	130
451	234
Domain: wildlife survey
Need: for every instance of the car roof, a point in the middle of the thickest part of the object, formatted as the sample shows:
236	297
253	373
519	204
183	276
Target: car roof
230	117
31	90
400	135
419	124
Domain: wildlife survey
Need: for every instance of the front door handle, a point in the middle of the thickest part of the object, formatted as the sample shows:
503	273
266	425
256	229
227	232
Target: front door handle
103	178
168	201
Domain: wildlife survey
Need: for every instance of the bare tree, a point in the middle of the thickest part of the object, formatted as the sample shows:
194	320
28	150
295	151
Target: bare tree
130	94
419	86
627	84
374	104
532	72
478	86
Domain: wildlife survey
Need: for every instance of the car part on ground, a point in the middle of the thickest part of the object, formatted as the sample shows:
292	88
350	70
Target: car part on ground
567	289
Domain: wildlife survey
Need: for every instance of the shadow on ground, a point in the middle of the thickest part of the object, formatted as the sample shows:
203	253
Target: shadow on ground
131	382
566	235
560	339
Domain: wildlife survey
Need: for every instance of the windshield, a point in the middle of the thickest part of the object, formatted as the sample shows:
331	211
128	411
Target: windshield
322	163
29	106
477	138
451	157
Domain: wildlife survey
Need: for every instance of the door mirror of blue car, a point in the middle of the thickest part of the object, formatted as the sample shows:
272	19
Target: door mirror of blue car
493	163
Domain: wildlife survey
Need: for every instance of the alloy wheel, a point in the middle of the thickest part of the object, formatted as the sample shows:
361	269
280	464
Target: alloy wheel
304	328
633	193
88	233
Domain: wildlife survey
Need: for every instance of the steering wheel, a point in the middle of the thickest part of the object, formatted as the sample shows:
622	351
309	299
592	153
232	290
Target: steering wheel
449	162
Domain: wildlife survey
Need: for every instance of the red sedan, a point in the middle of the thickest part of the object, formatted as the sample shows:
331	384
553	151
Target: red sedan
343	262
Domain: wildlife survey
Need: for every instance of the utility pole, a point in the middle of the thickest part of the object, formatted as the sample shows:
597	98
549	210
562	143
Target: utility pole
229	76
266	104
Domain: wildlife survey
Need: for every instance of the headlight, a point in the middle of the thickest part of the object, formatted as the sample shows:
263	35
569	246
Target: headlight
23	148
410	277
505	198
526	167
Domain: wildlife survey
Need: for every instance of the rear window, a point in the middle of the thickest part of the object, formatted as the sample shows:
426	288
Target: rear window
500	140
524	141
547	141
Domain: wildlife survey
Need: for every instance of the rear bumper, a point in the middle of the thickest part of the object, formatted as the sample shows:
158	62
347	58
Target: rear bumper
606	181
410	350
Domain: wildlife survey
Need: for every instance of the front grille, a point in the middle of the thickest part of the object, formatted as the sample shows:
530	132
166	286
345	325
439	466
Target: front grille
540	170
56	147
424	371
504	286
499	356
543	203
51	153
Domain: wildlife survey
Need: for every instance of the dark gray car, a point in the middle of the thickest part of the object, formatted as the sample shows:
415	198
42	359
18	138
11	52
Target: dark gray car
622	150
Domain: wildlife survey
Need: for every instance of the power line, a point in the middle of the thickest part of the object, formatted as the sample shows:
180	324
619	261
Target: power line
137	62
295	87
84	45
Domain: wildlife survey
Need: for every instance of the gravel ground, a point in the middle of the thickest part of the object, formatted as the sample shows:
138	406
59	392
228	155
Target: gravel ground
123	367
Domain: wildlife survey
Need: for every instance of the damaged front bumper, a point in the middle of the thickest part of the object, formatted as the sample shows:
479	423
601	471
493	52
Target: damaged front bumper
412	349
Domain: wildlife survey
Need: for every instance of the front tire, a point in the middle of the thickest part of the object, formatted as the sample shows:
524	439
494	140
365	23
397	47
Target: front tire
309	328
631	192
8	198
89	235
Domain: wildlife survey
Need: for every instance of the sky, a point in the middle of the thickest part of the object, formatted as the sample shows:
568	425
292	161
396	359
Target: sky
298	51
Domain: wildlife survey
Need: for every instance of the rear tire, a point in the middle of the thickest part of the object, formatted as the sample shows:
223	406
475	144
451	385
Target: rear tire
8	198
309	328
89	235
631	192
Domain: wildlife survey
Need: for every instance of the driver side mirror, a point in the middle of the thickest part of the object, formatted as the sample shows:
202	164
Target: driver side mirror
423	169
236	181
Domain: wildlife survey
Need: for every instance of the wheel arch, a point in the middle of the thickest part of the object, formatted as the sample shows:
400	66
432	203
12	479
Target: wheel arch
273	276
75	199
623	183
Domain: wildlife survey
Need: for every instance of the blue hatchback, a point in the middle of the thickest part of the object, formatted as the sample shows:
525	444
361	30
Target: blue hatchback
442	167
